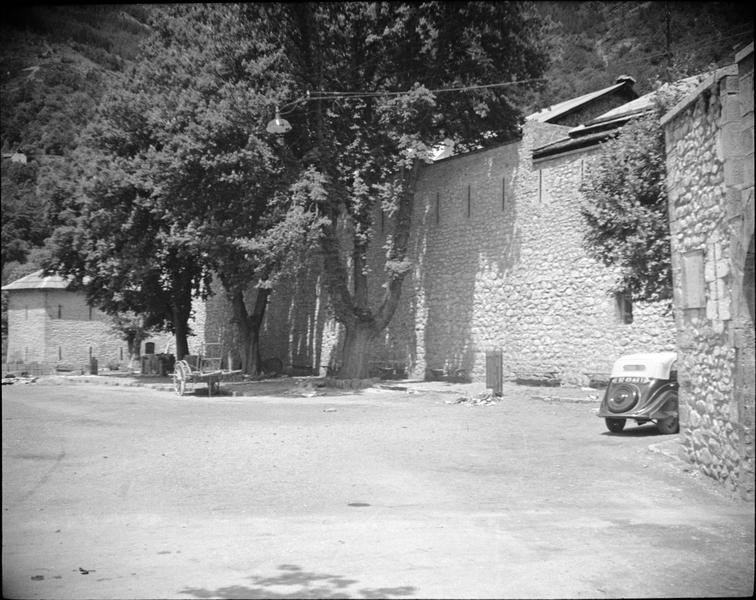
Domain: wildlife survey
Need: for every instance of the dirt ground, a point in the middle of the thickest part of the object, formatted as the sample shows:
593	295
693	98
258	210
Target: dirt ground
295	491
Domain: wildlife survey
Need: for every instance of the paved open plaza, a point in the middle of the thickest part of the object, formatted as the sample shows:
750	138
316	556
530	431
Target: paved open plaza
294	491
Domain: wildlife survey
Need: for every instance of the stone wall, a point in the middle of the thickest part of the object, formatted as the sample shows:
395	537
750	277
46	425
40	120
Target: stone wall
709	138
56	327
498	264
27	315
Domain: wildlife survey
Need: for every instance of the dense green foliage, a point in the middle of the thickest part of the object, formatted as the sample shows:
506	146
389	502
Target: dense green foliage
594	42
175	175
54	65
624	205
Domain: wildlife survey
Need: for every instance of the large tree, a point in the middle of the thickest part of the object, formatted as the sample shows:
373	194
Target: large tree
387	83
179	177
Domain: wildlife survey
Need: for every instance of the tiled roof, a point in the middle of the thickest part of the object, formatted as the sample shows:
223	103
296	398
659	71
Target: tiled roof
38	281
639	105
605	124
552	112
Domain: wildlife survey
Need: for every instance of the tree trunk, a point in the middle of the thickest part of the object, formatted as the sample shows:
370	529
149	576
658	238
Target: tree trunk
181	307
181	329
355	365
248	327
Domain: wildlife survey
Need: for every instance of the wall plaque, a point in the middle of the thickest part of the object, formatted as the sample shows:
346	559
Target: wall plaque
693	285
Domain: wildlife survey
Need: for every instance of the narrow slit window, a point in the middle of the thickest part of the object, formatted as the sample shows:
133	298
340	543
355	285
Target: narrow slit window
624	308
60	311
503	193
540	185
468	201
438	207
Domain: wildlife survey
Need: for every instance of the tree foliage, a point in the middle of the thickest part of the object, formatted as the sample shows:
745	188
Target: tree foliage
179	178
624	205
366	147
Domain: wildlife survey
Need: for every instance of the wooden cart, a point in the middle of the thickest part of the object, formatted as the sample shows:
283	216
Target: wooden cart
201	370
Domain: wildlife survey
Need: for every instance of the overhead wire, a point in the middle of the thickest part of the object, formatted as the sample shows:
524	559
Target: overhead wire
330	95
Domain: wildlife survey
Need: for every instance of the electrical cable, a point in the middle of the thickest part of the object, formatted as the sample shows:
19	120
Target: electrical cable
328	95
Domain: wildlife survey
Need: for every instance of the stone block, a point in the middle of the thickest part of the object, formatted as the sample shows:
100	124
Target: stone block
748	169
733	171
746	140
711	309
731	137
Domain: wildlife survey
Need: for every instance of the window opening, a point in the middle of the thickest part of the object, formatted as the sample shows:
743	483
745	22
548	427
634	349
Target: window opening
624	307
60	311
468	201
540	185
438	207
503	193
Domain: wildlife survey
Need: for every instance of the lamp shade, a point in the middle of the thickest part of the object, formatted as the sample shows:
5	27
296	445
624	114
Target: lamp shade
278	125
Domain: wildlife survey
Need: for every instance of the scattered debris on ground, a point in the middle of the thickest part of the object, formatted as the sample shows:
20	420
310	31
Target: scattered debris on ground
11	379
574	399
484	398
305	390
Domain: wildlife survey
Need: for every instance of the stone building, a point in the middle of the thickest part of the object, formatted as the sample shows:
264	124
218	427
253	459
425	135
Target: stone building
709	138
498	265
50	325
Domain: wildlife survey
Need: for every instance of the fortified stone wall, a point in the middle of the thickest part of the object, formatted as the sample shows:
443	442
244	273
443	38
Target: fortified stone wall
709	138
499	265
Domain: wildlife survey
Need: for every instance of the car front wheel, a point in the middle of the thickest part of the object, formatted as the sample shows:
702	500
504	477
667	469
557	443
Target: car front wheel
615	425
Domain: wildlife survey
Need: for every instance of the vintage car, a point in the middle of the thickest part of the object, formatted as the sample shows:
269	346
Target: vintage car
642	387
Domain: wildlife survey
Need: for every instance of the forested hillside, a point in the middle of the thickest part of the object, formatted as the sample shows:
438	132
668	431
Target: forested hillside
55	62
594	42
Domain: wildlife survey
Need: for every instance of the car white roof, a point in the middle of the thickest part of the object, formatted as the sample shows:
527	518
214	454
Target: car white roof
656	365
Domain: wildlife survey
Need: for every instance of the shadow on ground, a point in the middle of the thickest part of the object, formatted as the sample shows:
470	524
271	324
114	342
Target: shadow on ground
294	582
640	431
